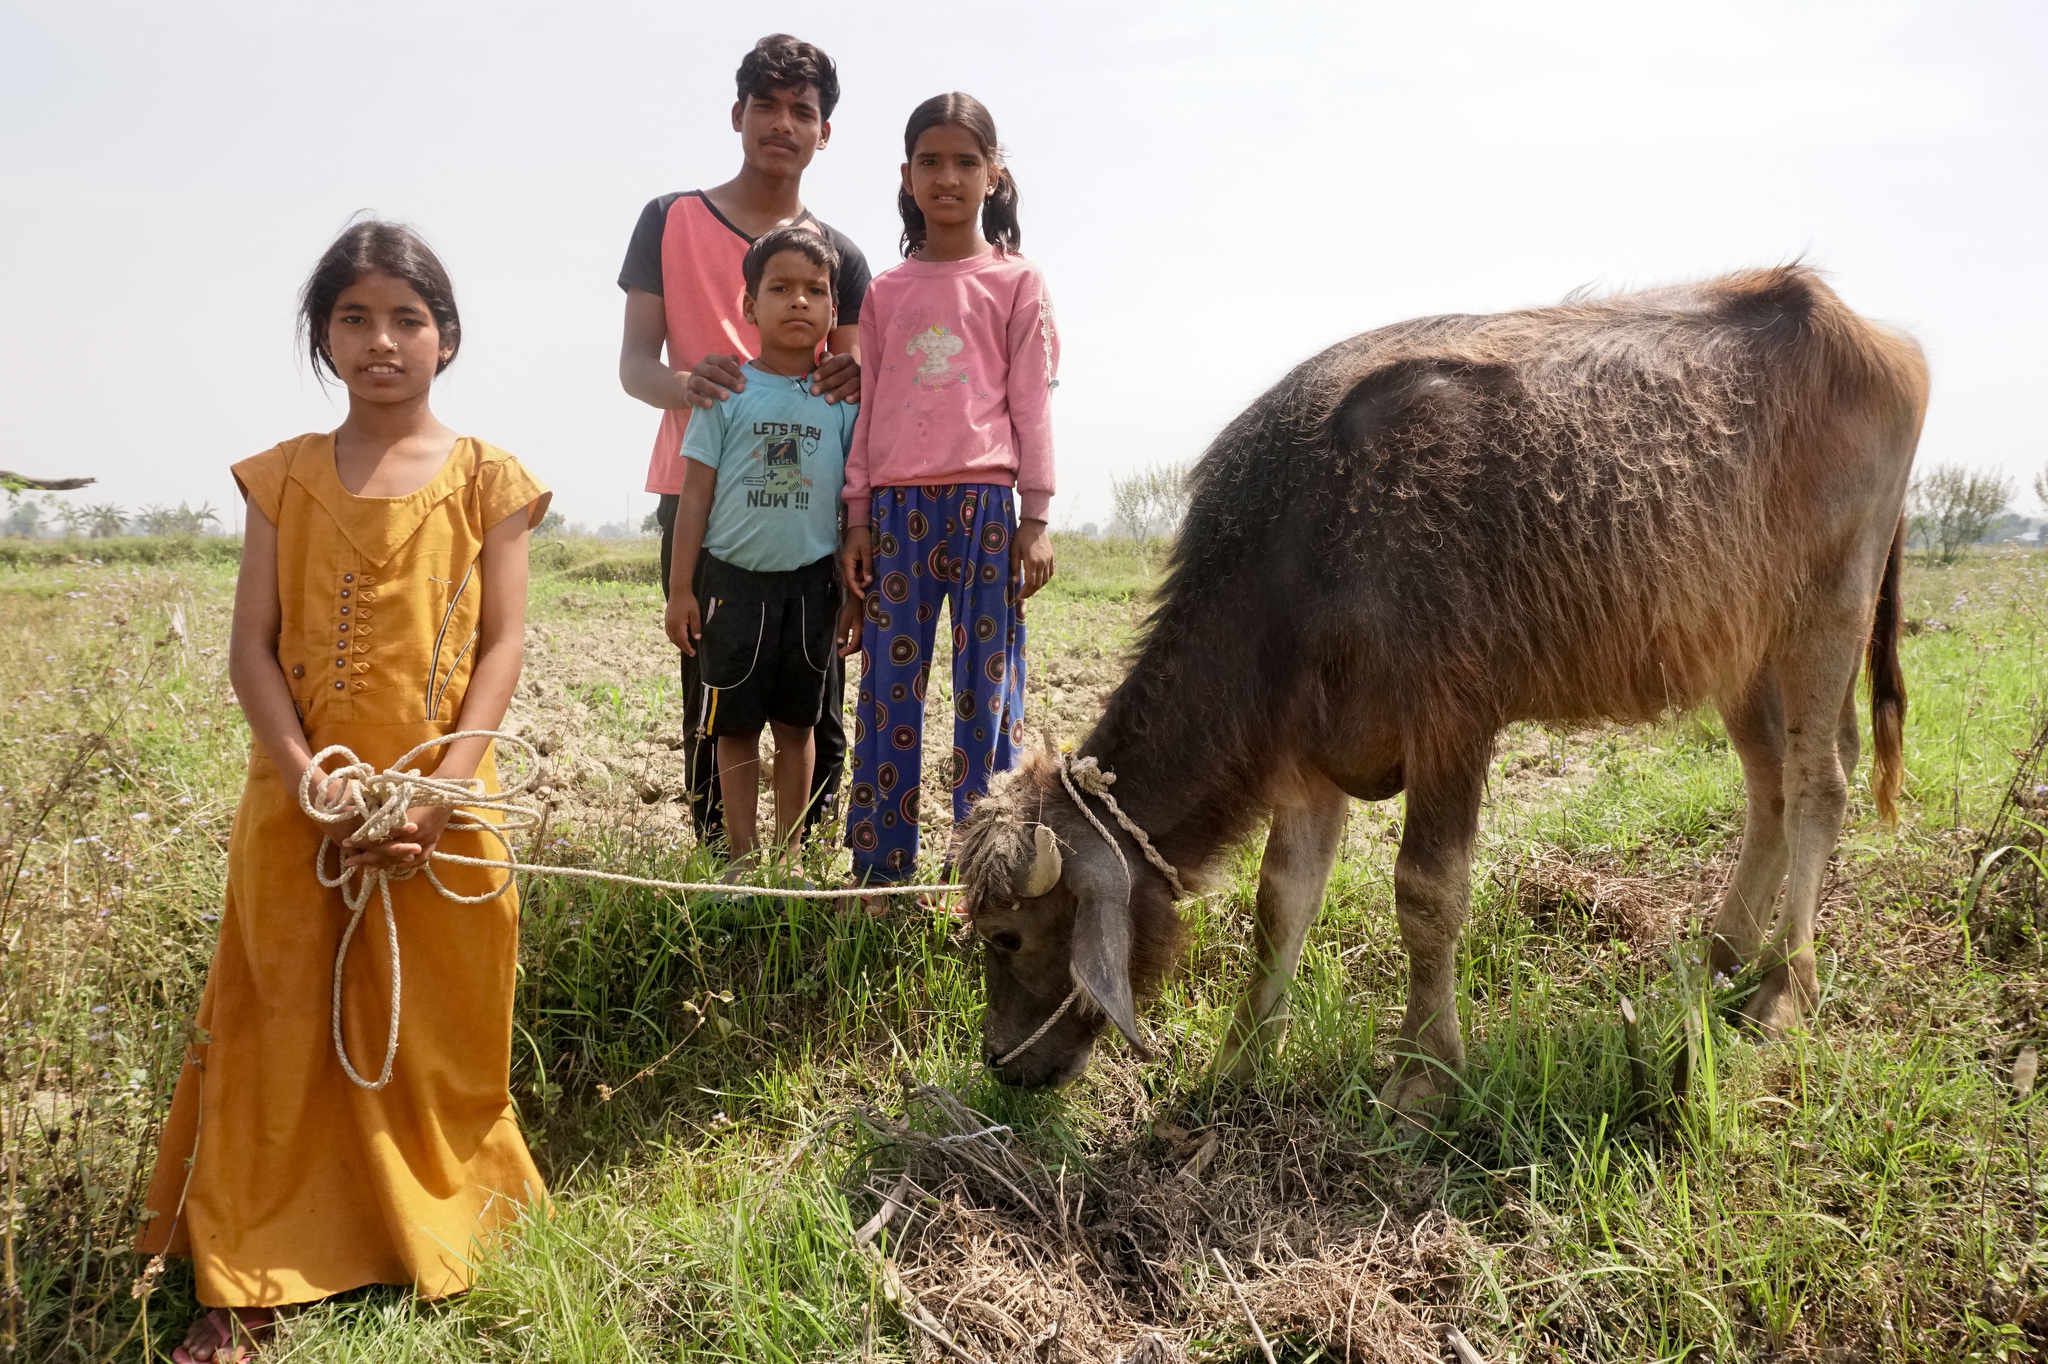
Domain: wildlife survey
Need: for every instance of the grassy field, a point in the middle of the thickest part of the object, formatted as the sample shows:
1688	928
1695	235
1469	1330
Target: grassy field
724	1094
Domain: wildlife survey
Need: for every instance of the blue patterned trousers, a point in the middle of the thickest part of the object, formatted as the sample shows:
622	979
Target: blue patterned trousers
934	546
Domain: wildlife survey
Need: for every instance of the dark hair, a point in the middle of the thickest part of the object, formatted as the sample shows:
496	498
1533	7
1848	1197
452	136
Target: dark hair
999	211
801	240
376	248
780	62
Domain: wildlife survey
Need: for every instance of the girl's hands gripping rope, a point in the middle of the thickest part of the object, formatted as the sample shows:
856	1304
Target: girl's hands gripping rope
409	845
334	795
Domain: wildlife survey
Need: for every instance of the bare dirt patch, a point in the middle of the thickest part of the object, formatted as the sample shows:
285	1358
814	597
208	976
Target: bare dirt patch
601	699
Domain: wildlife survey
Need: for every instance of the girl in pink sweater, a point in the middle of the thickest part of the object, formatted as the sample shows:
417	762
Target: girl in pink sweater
948	479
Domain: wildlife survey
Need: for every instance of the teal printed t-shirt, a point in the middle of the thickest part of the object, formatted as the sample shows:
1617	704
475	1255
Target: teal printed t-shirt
780	454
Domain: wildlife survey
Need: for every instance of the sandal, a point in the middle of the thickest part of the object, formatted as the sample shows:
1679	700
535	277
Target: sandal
226	1335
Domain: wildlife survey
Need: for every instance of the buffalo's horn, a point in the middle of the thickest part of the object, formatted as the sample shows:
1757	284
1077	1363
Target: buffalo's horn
1044	872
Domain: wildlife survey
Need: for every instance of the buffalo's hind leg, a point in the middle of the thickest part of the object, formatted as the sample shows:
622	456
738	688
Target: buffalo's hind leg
1300	850
1432	893
1815	666
1756	727
1848	735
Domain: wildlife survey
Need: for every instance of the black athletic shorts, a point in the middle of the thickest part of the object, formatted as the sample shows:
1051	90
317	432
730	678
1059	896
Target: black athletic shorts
766	645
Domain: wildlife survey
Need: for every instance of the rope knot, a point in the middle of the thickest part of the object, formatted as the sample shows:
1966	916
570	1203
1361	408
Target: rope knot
1089	776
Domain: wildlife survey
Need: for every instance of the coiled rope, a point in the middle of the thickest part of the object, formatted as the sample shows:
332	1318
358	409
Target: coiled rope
377	803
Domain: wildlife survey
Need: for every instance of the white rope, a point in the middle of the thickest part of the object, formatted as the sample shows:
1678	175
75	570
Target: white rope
378	802
1086	774
1028	1043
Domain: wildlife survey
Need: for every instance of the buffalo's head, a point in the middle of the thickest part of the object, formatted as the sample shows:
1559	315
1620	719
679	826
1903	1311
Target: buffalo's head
1057	914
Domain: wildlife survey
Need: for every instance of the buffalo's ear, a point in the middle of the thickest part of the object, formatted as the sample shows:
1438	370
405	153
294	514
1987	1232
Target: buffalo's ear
1102	959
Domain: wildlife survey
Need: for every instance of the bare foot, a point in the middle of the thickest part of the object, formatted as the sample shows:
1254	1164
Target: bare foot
224	1335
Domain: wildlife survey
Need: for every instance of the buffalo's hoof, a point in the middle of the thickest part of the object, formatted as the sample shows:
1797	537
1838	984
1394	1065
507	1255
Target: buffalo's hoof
1248	1048
1784	1000
1235	1066
1419	1095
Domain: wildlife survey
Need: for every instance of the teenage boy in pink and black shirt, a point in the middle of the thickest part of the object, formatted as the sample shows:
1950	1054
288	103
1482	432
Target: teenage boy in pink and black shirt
683	291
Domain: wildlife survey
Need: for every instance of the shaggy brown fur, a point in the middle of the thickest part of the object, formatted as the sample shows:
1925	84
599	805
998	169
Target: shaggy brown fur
1604	510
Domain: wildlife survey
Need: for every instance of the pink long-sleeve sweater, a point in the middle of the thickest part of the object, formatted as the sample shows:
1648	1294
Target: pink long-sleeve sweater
958	362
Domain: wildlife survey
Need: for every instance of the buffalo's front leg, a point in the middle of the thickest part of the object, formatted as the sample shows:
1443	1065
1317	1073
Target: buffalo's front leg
1299	852
1432	891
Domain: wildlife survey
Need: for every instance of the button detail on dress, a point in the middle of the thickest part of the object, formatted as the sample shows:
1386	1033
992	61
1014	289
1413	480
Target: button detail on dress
298	670
344	592
348	577
337	686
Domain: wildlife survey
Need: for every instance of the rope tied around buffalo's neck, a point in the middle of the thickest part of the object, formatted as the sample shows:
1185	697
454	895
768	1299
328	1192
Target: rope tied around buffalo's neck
1085	774
377	802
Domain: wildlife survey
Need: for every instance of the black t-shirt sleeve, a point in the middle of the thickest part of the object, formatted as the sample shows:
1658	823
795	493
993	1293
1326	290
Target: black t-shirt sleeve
853	277
642	267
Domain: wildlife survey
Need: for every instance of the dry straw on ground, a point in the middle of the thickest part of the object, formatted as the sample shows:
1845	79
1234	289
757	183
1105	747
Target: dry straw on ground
1179	1239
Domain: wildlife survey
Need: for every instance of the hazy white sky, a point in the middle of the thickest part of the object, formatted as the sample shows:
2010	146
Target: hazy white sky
1214	193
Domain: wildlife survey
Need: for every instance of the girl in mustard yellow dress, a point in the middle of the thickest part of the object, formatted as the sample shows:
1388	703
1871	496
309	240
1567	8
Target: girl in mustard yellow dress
381	603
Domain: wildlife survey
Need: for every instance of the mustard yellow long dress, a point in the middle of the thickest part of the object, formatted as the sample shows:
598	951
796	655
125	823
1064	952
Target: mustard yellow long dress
303	1184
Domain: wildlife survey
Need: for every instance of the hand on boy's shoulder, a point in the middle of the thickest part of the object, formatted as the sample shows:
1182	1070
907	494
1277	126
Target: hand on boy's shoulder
837	379
715	378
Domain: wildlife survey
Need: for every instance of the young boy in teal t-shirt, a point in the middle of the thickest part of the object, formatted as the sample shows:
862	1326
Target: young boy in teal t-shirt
760	616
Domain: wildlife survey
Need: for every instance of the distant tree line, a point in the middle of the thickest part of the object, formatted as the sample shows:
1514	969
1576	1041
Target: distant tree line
554	524
33	518
1948	507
